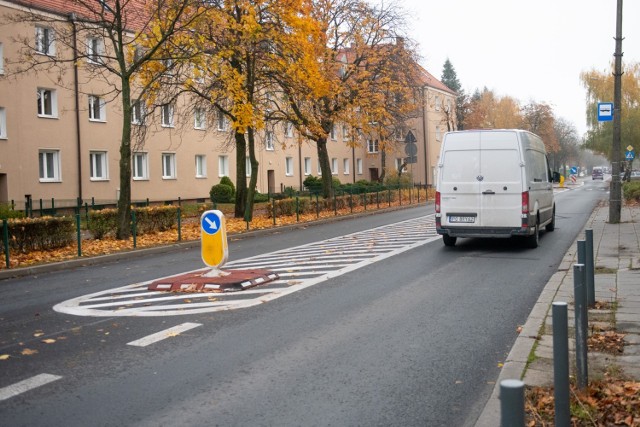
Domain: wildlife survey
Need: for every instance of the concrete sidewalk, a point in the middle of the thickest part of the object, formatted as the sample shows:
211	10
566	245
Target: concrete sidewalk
616	250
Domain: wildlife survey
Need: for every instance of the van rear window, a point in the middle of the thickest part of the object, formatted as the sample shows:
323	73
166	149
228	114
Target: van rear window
500	166
461	166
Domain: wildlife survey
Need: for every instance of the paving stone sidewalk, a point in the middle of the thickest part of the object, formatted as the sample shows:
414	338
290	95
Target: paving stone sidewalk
616	250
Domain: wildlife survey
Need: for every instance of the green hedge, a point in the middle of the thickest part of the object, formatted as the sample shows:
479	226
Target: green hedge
32	234
104	223
6	212
631	191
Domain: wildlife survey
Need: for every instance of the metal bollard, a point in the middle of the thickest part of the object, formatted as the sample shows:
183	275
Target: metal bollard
561	364
511	403
590	269
581	323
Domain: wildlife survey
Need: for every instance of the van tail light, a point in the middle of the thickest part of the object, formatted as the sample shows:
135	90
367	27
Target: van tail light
525	203
437	202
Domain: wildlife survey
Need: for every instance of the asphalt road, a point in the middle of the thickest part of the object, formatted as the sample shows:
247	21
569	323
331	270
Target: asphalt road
415	339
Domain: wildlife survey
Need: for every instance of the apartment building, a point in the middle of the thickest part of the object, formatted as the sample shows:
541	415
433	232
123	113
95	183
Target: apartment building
60	133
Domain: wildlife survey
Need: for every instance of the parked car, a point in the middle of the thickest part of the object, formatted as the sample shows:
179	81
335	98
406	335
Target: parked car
597	173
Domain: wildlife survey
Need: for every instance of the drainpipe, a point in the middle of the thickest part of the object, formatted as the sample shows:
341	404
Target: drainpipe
72	19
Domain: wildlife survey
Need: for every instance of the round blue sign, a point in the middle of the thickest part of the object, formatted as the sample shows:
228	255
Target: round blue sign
210	223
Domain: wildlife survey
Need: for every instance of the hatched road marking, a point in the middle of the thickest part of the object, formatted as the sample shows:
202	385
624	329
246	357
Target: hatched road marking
26	385
167	333
298	268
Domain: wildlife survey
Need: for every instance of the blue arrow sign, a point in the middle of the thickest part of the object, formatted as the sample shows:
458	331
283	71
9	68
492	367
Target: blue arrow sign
574	170
210	223
629	155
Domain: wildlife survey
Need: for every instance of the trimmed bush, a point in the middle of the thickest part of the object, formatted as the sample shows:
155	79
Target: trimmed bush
227	181
104	222
32	234
6	212
221	193
287	207
631	191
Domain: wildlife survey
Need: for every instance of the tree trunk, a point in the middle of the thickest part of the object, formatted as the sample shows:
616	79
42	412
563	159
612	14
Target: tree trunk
241	175
123	231
253	181
383	165
325	168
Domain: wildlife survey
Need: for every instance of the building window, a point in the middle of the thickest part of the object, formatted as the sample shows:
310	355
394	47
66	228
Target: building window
223	166
98	170
345	166
168	165
438	103
201	166
334	166
399	163
1	59
222	120
307	165
200	121
49	164
137	113
45	41
47	103
167	115
438	133
372	146
3	123
288	165
247	167
319	168
333	132
97	110
345	132
359	166
288	130
168	67
95	49
140	166
269	141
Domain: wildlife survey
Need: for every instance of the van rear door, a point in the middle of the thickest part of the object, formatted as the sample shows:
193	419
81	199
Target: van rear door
500	180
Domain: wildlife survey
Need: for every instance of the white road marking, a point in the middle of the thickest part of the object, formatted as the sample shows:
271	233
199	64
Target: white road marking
167	333
298	268
26	385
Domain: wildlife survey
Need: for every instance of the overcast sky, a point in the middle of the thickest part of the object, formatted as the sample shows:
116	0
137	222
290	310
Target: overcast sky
526	49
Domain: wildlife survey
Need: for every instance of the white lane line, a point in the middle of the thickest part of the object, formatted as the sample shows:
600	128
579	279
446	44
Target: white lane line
26	385
167	333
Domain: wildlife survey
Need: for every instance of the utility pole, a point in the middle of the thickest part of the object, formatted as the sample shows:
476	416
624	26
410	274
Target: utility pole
615	196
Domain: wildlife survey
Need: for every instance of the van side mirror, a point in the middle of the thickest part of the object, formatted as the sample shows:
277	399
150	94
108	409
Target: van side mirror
556	177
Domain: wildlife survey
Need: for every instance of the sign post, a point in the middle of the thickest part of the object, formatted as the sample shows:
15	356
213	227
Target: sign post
213	234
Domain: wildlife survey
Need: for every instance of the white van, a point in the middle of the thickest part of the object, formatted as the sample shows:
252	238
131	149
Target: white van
493	183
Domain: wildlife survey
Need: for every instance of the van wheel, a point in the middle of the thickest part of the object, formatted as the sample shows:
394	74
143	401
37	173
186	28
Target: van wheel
448	240
552	225
532	241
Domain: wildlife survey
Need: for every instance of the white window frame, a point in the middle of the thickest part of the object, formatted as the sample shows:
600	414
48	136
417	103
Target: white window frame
201	166
345	132
98	166
438	133
221	120
49	165
288	130
399	162
334	166
97	109
319	168
247	167
268	141
345	166
52	104
169	166
45	40
140	166
3	123
359	166
1	59
438	103
223	166
307	166
166	115
288	166
199	119
137	112
333	134
95	49
372	146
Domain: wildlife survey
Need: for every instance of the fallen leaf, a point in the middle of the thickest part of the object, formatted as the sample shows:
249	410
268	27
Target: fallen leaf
4	356
49	341
28	352
38	334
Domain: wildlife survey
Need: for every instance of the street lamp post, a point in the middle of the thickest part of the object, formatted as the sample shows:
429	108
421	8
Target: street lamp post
615	202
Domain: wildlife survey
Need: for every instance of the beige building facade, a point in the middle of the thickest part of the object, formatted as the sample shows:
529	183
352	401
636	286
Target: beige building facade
60	134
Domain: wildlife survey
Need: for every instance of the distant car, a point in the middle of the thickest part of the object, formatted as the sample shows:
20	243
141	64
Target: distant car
635	176
597	173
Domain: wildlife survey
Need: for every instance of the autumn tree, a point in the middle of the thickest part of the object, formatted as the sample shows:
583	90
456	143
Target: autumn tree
366	80
599	86
488	111
568	145
540	119
102	38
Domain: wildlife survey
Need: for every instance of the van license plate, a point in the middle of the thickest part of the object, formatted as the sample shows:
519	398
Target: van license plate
463	219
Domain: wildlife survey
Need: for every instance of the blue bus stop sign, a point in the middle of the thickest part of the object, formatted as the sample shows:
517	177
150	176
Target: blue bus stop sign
605	111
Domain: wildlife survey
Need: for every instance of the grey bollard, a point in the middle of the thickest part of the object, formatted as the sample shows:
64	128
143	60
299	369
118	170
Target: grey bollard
590	268
581	323
511	403
561	364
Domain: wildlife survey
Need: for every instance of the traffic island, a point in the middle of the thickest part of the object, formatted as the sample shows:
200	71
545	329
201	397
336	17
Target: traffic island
213	280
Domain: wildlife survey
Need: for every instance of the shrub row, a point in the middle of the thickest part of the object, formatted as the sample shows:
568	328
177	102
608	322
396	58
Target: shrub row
104	223
286	207
32	234
631	191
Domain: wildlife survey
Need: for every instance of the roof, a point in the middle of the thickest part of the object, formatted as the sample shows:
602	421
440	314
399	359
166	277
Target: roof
427	79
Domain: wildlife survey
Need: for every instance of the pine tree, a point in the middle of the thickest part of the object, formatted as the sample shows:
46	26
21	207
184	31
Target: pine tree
450	79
